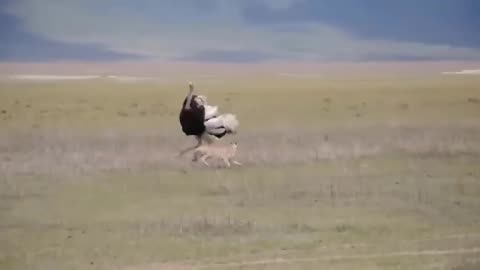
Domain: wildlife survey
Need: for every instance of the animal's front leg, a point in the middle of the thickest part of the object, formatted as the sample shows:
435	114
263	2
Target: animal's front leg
237	163
227	162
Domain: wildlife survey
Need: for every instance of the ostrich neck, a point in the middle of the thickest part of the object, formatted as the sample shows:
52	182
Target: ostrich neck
189	100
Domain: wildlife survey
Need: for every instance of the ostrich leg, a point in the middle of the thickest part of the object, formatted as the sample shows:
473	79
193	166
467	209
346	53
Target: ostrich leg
199	142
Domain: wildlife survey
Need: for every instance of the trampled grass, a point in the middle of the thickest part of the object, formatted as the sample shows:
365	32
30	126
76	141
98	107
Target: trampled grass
365	174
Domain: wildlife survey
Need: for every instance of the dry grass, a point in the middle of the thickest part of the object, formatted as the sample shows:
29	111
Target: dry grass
56	153
353	173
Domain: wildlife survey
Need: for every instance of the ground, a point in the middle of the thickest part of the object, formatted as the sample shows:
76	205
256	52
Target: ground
351	173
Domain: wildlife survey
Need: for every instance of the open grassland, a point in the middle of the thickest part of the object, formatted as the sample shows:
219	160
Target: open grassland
378	173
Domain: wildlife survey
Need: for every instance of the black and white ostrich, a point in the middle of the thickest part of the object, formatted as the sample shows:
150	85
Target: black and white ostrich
204	122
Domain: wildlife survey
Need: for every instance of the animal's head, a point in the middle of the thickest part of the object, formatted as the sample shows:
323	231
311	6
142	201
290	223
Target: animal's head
234	145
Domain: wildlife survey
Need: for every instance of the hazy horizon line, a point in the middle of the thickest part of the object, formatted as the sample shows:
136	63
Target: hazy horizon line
152	68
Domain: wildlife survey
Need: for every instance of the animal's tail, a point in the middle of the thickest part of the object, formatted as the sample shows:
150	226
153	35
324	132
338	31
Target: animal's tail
230	122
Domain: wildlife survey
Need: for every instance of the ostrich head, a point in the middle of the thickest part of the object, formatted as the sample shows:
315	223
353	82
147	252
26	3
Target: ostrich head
190	86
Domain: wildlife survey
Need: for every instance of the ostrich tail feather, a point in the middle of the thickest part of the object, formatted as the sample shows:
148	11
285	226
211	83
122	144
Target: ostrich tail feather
230	122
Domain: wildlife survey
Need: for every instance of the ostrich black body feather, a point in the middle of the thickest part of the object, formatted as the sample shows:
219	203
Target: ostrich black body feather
192	120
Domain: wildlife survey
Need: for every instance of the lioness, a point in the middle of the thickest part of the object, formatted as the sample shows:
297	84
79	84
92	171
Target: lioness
224	152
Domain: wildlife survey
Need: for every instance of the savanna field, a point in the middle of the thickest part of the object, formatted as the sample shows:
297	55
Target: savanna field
338	173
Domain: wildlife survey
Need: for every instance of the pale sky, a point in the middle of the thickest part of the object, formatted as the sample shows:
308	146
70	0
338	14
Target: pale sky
239	30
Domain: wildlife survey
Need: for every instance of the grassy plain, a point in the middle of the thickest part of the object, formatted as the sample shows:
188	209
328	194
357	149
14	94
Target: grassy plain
377	173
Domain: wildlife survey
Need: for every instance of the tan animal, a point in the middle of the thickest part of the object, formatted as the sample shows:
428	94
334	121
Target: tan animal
223	152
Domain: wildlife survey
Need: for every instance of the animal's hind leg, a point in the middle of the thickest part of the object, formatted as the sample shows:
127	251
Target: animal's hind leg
204	160
195	156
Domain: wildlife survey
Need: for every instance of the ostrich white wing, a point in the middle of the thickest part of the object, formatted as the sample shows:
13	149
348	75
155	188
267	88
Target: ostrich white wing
215	131
201	100
214	126
214	123
229	122
210	111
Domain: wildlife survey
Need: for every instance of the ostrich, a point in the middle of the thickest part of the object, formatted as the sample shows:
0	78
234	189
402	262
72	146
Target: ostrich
203	121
